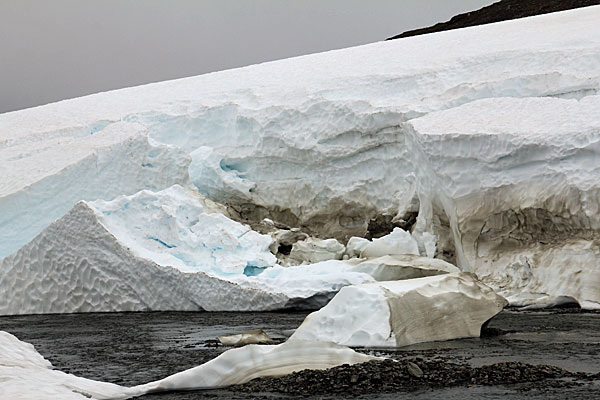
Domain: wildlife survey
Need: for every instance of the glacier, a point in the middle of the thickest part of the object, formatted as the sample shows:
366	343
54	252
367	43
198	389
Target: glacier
491	134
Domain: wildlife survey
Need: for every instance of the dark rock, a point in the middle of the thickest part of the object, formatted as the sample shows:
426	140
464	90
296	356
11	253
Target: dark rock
501	11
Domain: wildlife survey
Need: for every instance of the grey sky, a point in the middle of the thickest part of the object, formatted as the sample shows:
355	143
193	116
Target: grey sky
53	50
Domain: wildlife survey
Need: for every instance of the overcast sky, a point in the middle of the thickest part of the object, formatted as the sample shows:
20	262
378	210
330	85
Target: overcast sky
53	50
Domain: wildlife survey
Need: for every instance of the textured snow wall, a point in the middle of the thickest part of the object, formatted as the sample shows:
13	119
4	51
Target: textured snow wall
400	313
528	222
327	141
166	250
78	265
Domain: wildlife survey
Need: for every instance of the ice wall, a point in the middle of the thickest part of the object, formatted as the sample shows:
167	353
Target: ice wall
528	221
490	132
45	172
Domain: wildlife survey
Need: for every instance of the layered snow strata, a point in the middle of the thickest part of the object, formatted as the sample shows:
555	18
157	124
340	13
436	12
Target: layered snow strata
320	140
401	313
45	172
137	253
519	182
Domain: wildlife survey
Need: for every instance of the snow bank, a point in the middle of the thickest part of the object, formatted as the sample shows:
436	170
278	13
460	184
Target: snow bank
404	312
167	250
26	375
138	253
307	286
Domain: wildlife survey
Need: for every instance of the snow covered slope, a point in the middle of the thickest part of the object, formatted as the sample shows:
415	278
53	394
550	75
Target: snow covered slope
475	128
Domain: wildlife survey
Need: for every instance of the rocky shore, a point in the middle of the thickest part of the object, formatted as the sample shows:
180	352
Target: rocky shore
410	374
521	354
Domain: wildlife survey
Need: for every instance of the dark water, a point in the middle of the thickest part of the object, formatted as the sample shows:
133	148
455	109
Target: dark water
134	348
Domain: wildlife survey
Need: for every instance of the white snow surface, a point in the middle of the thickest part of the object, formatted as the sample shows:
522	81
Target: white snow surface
179	228
490	132
397	242
148	251
237	366
400	313
167	250
26	375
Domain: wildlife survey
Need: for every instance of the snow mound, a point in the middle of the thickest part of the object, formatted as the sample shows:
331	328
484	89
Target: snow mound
397	242
313	250
237	366
102	257
254	336
400	313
